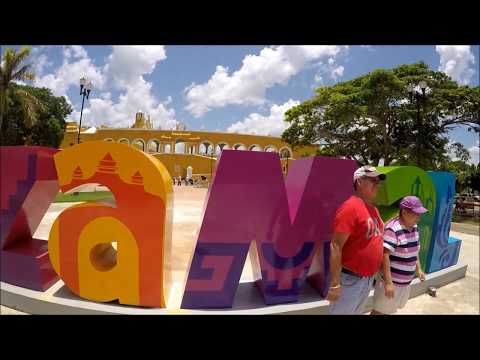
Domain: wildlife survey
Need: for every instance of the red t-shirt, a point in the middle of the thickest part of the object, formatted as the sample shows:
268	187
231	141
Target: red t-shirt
363	250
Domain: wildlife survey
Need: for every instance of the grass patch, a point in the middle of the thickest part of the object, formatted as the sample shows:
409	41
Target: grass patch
84	196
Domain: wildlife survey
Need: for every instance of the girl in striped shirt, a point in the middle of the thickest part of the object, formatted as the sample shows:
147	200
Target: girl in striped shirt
400	258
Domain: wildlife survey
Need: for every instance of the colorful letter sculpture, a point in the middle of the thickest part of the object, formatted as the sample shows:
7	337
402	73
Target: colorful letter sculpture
444	250
408	180
28	186
285	226
139	272
286	222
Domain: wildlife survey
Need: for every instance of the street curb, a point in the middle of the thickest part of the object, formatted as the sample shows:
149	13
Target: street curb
58	300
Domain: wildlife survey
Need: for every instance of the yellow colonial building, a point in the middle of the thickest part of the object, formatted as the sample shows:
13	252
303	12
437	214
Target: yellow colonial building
180	149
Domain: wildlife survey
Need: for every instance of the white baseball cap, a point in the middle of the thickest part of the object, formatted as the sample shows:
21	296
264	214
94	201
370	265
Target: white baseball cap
369	171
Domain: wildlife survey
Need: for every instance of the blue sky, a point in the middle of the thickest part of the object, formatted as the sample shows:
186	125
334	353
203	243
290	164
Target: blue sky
243	89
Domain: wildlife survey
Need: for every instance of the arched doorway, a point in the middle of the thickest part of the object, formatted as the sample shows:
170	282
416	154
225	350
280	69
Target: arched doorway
220	147
270	148
139	144
255	147
239	147
205	148
179	146
153	146
124	141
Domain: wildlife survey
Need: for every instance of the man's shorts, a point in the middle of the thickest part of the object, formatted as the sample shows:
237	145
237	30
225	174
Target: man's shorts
389	306
353	296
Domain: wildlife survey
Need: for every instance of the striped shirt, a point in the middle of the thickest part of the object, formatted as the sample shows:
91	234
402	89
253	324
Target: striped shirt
404	246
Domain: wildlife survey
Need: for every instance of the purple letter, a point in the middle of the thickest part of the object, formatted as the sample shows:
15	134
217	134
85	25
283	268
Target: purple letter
288	220
29	184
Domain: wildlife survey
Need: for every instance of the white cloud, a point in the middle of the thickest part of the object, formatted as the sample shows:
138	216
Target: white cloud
474	154
75	52
76	64
127	63
67	98
272	124
337	72
40	60
106	95
124	70
40	64
317	80
248	85
38	49
168	101
456	61
329	68
138	96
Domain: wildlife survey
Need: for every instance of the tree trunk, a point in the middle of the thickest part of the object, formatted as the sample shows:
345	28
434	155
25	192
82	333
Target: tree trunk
386	144
3	105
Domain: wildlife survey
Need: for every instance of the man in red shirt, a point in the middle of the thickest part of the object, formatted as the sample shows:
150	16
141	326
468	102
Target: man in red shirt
357	245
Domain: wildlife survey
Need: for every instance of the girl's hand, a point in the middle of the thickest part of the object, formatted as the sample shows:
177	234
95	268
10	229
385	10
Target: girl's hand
389	291
421	275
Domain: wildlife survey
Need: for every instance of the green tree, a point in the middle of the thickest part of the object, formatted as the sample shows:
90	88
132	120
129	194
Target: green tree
372	117
49	127
12	68
467	175
461	170
459	151
473	178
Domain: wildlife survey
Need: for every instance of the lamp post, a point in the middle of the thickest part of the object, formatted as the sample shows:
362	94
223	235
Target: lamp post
418	98
85	88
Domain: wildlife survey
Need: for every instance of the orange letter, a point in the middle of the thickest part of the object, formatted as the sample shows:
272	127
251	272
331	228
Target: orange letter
138	272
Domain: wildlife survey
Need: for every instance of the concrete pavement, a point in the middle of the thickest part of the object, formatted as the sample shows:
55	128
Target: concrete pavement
460	297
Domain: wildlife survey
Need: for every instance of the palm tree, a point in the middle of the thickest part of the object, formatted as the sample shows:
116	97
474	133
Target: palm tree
12	69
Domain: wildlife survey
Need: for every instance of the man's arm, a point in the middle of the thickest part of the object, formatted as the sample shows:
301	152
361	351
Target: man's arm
387	274
336	246
418	269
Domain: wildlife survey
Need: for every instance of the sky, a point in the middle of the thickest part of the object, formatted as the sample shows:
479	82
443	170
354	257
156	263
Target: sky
244	89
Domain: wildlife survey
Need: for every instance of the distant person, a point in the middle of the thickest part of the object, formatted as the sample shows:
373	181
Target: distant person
459	205
401	245
462	205
357	245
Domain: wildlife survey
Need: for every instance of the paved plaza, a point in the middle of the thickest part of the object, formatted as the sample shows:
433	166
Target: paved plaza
460	297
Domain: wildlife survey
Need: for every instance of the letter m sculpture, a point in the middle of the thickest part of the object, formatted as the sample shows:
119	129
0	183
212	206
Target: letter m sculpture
284	223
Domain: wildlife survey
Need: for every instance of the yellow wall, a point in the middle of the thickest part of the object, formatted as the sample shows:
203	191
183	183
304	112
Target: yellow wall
201	165
192	139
